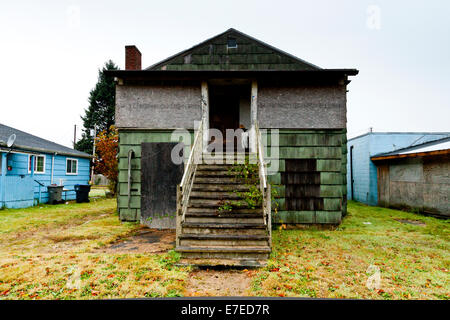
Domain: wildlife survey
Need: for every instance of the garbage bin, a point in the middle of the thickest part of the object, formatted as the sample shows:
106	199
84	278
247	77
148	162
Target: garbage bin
82	191
54	194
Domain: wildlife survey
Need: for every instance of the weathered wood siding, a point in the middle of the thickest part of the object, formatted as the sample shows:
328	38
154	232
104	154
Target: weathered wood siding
159	180
132	139
420	183
302	107
318	180
157	106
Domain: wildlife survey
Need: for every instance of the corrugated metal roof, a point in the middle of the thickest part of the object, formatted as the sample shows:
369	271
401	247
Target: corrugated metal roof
434	147
25	141
399	133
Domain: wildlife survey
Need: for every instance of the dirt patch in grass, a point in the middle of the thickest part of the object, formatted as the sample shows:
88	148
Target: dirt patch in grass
227	282
146	240
413	222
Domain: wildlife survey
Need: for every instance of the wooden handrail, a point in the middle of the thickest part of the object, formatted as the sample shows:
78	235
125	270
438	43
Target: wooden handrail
261	157
265	188
191	155
189	171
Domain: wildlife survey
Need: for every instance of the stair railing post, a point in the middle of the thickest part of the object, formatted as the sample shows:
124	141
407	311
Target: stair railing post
178	216
269	212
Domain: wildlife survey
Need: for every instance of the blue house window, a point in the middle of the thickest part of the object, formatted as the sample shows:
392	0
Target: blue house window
71	166
39	164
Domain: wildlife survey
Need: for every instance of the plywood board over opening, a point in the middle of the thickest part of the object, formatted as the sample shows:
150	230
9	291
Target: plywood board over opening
159	179
302	183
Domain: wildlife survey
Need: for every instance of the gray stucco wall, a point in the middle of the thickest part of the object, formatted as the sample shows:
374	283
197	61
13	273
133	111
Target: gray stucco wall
157	107
302	107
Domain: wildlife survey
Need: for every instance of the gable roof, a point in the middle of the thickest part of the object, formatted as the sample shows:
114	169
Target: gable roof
28	142
250	54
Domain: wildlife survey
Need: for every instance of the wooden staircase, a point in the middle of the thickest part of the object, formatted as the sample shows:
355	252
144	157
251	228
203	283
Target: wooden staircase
209	233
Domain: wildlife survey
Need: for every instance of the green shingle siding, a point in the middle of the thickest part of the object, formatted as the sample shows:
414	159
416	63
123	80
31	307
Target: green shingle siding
249	55
327	147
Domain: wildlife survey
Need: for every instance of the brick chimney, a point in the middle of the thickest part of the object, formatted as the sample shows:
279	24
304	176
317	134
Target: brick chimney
132	58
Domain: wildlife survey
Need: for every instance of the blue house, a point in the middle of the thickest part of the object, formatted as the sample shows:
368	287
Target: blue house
362	172
28	164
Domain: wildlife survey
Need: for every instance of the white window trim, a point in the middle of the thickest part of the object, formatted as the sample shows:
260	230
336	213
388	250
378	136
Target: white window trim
38	155
72	174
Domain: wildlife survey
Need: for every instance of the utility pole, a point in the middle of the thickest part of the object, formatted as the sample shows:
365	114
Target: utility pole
74	136
93	155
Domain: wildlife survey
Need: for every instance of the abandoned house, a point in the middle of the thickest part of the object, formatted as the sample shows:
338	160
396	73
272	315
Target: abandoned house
294	114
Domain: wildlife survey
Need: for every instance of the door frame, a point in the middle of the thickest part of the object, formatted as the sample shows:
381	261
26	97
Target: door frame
253	114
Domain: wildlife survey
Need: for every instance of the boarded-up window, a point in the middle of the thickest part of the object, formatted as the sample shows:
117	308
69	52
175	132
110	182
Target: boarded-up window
302	183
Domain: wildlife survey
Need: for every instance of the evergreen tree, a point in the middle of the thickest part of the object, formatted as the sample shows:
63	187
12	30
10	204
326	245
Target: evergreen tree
100	113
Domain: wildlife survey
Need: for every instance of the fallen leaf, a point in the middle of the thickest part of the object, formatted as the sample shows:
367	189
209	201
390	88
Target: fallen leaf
4	293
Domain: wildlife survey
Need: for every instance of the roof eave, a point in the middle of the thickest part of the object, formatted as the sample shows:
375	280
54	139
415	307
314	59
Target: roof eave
41	150
209	74
411	155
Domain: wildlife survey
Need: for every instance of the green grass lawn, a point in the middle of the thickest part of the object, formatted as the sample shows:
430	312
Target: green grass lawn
51	252
413	260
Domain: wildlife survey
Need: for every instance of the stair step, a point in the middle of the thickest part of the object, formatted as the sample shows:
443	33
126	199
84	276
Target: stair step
223	155
219	252
222	243
227	161
217	195
222	229
223	237
222	187
220	173
216	180
259	249
224	225
214	167
224	219
231	215
214	203
214	211
237	262
215	173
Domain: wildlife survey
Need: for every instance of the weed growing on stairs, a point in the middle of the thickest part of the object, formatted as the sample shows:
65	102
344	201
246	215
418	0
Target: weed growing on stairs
247	174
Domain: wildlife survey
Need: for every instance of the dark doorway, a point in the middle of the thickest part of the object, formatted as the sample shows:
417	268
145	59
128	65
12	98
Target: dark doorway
228	104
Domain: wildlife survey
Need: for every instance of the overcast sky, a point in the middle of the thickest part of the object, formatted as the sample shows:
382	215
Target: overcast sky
51	51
